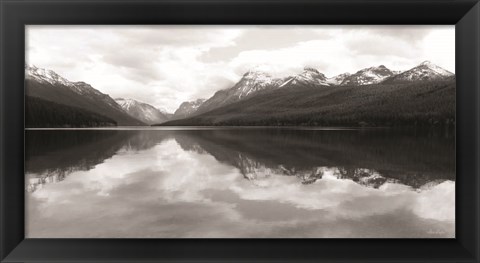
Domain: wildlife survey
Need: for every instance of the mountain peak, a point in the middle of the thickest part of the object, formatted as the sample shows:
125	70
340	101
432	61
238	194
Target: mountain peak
142	111
126	103
308	78
367	76
257	77
426	63
199	101
437	70
30	66
251	82
425	71
252	72
45	75
188	108
41	83
311	69
194	103
381	67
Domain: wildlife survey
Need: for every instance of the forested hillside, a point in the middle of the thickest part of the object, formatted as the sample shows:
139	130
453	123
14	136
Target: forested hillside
41	113
413	104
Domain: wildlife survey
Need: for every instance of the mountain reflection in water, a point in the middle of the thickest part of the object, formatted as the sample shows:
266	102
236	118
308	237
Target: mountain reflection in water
240	183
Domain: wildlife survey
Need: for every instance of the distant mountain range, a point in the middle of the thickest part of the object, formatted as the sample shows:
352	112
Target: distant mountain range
370	96
142	111
187	108
254	83
374	96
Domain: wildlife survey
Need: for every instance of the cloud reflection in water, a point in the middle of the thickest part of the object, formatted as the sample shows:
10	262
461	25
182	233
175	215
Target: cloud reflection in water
156	184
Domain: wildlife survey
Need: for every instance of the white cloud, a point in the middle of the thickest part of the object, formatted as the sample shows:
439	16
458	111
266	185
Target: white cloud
166	65
439	47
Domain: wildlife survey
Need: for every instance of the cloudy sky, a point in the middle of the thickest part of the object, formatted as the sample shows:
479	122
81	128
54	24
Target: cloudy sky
166	65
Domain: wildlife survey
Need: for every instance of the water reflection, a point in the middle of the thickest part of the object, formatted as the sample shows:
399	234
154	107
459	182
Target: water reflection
240	183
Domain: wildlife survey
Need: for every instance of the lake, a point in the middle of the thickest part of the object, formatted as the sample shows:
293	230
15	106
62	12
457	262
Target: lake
240	182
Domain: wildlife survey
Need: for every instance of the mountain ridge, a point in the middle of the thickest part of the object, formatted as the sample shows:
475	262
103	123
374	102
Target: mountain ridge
413	104
187	108
425	71
142	111
367	76
50	86
257	82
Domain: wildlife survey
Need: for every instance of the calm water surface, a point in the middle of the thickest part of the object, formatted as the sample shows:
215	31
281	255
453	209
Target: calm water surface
240	183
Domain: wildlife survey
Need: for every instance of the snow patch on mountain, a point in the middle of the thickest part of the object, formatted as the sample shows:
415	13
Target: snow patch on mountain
42	82
337	80
126	103
45	75
252	82
309	77
368	76
187	108
51	77
142	111
436	69
425	71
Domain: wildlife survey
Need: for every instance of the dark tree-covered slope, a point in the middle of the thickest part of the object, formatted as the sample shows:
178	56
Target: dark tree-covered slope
412	104
41	113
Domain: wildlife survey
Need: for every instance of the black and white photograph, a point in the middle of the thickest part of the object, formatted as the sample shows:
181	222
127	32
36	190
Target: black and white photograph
240	131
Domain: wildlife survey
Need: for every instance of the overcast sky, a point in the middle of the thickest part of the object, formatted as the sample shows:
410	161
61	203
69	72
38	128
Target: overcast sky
166	65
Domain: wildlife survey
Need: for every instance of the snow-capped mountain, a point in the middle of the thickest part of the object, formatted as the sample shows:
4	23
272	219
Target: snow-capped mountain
51	77
45	75
337	80
251	83
310	77
426	71
187	108
368	76
142	111
50	86
255	82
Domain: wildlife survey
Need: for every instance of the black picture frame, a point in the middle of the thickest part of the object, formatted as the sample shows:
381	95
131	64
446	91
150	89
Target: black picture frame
15	14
